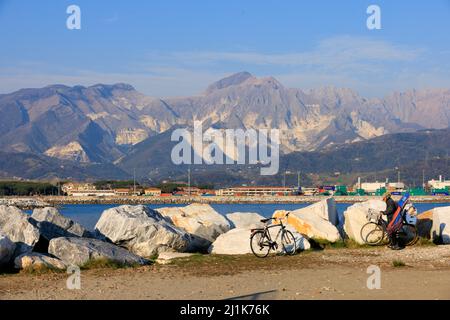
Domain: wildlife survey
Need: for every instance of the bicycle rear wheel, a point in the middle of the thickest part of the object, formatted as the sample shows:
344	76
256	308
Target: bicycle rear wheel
260	245
372	233
288	242
408	235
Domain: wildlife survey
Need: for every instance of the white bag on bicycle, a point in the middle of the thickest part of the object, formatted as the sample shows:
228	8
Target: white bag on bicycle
373	215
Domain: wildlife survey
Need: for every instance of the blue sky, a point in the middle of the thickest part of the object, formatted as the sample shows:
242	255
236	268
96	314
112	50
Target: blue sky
178	47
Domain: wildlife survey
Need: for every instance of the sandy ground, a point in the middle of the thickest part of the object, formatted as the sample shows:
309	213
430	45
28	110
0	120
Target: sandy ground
326	274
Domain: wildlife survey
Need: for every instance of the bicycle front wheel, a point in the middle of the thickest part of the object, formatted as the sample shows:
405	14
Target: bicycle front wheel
408	235
372	233
260	245
288	243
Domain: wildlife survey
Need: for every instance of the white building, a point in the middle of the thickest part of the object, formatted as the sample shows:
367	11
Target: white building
93	193
439	184
396	186
371	187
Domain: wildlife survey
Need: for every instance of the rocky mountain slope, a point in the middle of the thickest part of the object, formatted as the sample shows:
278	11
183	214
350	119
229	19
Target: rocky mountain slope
102	124
411	152
91	124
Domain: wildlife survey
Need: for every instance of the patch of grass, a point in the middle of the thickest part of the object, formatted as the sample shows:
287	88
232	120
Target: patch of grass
398	263
106	264
423	242
42	269
321	244
352	244
152	259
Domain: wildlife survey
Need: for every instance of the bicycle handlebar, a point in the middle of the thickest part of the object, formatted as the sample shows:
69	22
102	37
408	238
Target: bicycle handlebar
269	219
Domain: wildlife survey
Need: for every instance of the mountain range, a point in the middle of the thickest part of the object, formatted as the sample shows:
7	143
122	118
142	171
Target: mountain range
115	126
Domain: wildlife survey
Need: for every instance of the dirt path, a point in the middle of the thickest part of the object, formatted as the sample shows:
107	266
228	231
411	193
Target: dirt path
328	274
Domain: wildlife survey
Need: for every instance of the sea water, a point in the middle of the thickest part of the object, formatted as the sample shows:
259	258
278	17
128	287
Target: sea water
88	214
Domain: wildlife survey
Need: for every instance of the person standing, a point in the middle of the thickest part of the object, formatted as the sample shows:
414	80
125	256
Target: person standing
391	209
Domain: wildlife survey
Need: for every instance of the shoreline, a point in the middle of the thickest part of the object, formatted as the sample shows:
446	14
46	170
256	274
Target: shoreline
307	275
133	200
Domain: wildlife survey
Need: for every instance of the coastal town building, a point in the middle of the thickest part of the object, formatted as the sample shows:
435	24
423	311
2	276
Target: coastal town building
92	193
379	188
309	191
372	187
152	192
396	187
193	191
71	187
439	184
122	192
256	191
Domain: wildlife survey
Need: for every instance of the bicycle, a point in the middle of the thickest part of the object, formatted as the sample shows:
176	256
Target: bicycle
374	232
261	241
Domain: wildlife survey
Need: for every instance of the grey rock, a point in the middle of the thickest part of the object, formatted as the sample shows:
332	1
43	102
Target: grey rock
23	202
441	225
237	242
141	230
245	220
16	226
79	251
201	221
7	248
52	224
37	261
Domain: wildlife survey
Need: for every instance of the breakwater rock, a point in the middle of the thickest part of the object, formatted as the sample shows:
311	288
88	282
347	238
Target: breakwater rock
318	221
201	221
79	251
15	224
134	200
141	230
24	203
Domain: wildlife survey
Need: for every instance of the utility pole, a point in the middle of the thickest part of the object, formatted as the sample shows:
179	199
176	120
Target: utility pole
298	180
284	179
189	181
134	181
398	176
423	178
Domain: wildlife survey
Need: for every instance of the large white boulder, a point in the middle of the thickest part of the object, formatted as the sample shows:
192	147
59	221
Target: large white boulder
245	220
37	261
237	241
425	224
7	248
355	217
326	209
310	222
16	226
52	224
201	221
441	224
141	230
79	251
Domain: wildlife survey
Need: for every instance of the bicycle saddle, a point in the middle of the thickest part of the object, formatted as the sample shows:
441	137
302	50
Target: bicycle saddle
266	220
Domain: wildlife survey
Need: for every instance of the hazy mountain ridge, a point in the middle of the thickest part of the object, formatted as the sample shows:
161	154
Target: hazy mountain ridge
40	167
100	123
426	149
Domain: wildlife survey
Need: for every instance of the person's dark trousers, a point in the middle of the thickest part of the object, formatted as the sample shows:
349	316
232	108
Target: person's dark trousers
394	242
393	239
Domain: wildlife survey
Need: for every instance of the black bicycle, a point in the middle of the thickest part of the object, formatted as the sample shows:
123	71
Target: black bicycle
374	232
261	241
